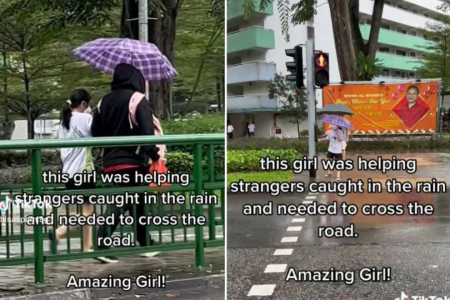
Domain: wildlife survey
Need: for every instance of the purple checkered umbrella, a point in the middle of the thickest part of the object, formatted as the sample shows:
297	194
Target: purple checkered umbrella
338	121
106	54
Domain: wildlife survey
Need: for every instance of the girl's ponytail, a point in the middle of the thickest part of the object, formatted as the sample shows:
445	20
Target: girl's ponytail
66	114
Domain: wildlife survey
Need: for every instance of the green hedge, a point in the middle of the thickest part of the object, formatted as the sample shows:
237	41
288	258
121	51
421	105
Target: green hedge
15	168
248	160
435	143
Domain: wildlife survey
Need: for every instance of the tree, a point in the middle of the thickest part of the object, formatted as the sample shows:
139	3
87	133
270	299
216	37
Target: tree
217	12
350	46
293	101
39	72
436	60
168	15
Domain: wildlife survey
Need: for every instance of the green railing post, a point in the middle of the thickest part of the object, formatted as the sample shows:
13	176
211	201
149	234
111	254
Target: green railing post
211	208
36	177
198	185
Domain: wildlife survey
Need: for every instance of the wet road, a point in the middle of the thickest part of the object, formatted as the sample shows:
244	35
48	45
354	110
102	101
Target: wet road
263	249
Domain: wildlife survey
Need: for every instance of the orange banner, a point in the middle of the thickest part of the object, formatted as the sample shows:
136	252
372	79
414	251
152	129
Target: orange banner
387	108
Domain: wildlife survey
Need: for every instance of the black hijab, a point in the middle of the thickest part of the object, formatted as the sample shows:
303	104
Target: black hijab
127	77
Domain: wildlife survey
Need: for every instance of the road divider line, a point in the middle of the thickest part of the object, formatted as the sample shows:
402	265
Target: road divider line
261	290
283	252
276	268
290	239
311	197
307	202
298	220
294	228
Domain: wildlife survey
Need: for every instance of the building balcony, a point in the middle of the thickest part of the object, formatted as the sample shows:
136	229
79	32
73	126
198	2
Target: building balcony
235	10
251	38
397	39
397	62
429	4
396	14
251	103
250	72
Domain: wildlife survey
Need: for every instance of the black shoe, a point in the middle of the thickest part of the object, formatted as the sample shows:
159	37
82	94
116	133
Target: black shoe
107	259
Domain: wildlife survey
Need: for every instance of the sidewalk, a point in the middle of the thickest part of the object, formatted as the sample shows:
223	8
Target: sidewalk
177	265
210	287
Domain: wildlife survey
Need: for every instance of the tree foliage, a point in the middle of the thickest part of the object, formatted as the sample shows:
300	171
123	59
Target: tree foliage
38	70
436	60
192	22
348	39
293	101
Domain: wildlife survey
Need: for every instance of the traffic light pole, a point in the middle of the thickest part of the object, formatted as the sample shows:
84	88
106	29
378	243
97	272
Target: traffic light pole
311	102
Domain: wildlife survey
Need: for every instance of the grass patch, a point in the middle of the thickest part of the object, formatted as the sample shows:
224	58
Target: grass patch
278	176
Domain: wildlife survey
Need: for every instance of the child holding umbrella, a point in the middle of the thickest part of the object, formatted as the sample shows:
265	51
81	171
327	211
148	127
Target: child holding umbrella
335	136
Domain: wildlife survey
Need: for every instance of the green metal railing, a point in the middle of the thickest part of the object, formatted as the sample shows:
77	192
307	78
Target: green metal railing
14	238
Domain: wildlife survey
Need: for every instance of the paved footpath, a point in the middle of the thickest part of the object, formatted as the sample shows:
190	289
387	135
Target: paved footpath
176	265
263	249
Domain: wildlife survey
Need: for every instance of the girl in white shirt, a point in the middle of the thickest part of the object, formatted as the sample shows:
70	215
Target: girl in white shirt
335	136
76	123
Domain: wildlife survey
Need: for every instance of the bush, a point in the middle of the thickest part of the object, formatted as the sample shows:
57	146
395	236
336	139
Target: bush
434	143
177	162
211	123
247	161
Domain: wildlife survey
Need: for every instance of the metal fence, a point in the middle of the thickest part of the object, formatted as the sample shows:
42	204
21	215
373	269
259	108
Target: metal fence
24	244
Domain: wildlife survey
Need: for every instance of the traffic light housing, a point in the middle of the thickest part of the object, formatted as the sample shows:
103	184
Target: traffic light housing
296	66
321	69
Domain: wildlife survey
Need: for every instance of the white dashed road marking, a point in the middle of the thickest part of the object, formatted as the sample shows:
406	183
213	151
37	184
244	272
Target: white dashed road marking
283	252
262	290
268	289
298	220
276	268
289	239
295	228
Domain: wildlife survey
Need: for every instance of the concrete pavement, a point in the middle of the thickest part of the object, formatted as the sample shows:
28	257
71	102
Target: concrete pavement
262	249
202	288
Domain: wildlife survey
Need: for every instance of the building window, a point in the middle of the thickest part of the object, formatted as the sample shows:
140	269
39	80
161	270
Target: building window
412	54
310	30
385	26
400	6
413	33
384	49
414	11
398	74
401	52
385	72
412	74
427	15
368	22
387	2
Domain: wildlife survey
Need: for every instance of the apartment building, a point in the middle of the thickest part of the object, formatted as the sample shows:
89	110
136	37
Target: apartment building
255	52
399	41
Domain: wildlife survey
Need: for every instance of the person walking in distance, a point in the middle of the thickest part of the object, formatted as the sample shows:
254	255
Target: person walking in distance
251	129
76	120
112	118
230	130
335	136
